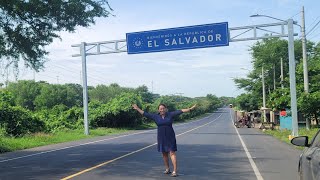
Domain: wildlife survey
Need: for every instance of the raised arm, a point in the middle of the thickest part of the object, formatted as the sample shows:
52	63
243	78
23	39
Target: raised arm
189	109
134	106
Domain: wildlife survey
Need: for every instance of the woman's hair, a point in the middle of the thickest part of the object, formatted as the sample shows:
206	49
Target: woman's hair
161	104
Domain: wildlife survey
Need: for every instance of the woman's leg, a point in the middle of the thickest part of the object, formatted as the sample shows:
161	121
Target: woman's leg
166	159
173	157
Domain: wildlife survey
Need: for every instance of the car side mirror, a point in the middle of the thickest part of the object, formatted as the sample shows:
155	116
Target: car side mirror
300	141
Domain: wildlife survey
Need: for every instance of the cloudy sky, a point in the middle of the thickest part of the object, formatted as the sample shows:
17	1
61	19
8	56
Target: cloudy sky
192	73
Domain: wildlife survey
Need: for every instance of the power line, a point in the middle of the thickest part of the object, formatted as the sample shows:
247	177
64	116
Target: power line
314	36
294	15
65	68
47	76
55	74
93	73
69	69
313	27
77	71
314	21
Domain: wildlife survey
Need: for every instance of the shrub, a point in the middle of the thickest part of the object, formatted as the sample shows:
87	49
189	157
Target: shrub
17	121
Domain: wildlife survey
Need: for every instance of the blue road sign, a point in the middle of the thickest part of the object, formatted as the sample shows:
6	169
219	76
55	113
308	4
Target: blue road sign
189	37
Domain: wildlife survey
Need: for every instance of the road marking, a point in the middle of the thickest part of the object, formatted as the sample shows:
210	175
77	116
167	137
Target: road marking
102	164
200	126
110	161
253	165
68	147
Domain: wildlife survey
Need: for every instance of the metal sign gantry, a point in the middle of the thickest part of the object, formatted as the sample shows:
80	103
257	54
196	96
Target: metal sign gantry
243	33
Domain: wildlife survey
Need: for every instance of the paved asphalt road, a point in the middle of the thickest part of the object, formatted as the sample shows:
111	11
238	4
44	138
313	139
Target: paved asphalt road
208	148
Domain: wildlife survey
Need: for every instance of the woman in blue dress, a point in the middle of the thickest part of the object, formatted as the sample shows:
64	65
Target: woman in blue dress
166	136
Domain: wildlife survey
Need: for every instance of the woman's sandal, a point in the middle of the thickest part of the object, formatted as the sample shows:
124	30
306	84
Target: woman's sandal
167	171
174	174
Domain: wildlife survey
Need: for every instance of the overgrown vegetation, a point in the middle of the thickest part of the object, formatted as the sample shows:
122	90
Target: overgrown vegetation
28	108
268	54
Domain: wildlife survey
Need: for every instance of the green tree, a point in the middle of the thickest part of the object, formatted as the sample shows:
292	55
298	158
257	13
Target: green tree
267	54
27	26
169	101
99	93
50	96
73	96
60	117
279	99
308	103
247	102
145	94
25	92
6	98
105	93
117	112
226	100
214	102
17	121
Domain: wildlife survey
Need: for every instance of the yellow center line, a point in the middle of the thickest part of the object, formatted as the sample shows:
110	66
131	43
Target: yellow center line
102	164
120	157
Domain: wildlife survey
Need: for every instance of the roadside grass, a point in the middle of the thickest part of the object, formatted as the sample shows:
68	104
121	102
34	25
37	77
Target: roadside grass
8	144
283	135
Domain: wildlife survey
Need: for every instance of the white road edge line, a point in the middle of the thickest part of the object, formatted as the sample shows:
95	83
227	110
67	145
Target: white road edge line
253	165
68	147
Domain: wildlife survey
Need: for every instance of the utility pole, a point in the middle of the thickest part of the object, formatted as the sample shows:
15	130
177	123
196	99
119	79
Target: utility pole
292	75
152	87
80	78
282	73
263	96
304	56
274	77
85	87
7	81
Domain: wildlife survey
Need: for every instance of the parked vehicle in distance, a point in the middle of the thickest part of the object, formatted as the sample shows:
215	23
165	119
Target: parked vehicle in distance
309	161
230	106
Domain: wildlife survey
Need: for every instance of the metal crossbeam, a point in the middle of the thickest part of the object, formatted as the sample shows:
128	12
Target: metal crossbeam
261	31
243	33
103	47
